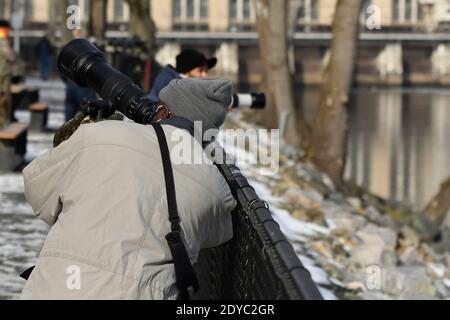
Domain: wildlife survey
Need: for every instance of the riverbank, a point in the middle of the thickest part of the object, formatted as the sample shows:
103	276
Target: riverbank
355	244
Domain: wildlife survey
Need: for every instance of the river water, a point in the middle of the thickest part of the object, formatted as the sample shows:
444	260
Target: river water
398	148
399	141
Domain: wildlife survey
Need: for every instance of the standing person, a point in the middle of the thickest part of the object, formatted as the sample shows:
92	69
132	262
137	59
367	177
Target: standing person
74	96
44	52
190	64
104	194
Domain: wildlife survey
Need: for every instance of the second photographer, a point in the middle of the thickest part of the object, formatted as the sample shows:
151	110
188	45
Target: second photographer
190	64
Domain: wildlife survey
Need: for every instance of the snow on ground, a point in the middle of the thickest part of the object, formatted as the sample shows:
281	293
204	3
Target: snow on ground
296	231
21	233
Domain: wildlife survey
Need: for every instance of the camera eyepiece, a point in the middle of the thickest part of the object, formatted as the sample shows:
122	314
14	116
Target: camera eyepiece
86	65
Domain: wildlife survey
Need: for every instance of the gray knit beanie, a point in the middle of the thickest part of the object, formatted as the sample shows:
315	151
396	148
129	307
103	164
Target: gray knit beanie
199	99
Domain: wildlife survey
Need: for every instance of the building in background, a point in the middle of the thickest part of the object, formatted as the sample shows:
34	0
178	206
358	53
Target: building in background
402	41
239	15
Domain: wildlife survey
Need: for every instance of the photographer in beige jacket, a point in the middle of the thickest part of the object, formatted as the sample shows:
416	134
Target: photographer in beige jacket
103	194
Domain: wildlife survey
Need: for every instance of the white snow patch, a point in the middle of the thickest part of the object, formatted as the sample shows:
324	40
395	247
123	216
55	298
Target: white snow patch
11	183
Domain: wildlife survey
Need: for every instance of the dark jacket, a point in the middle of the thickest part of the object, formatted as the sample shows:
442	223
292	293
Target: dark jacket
44	49
166	75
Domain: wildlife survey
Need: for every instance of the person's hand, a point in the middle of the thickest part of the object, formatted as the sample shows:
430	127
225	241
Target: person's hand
68	129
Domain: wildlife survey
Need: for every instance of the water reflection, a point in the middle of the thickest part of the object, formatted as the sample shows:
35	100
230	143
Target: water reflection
399	142
399	146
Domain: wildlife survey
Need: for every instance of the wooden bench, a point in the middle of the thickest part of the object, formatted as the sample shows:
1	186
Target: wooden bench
17	88
13	146
19	98
39	116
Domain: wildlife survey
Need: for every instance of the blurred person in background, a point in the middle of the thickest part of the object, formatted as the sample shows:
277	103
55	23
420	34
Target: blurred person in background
74	96
44	52
190	64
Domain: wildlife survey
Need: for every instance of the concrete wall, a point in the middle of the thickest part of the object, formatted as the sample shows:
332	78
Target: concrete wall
386	11
218	19
162	14
218	15
326	11
110	12
40	10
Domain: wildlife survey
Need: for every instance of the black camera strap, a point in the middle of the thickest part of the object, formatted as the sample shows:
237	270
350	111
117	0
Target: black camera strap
186	279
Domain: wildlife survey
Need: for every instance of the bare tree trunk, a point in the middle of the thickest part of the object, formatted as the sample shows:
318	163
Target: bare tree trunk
272	19
270	117
97	20
328	141
141	22
440	204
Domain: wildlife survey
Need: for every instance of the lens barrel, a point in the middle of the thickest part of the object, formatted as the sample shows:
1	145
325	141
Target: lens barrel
249	100
86	65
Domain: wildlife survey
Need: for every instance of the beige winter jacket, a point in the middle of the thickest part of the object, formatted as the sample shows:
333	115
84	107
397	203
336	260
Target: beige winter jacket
103	194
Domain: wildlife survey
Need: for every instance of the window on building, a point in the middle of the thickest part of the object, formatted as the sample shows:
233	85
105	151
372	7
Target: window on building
396	10
203	9
233	9
408	10
241	11
405	11
308	10
421	13
28	9
189	9
190	14
15	7
246	10
301	10
119	9
314	10
176	9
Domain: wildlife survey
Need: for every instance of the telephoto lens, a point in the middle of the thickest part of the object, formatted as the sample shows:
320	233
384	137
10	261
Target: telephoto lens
249	100
86	65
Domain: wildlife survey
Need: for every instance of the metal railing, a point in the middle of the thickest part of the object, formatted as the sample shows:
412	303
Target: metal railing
258	263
